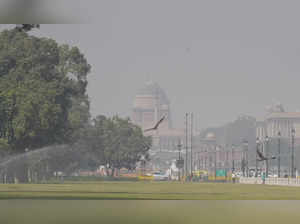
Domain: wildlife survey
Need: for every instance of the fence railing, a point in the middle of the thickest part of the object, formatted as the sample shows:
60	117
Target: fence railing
271	181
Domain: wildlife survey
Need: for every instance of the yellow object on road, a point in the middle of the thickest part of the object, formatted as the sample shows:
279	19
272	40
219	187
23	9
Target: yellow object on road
145	177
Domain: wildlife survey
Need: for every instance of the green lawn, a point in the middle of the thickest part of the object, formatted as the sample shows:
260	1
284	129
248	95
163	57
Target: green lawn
148	191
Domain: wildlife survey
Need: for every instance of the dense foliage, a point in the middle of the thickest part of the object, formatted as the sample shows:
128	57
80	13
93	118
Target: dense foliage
42	91
116	143
43	102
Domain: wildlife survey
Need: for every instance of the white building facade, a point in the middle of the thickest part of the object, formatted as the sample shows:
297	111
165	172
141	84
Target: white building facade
278	121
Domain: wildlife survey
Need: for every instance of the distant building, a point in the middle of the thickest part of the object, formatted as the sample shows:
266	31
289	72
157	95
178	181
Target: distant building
283	122
211	156
277	120
260	129
150	105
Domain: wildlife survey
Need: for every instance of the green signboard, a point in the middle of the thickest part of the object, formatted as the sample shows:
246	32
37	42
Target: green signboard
221	173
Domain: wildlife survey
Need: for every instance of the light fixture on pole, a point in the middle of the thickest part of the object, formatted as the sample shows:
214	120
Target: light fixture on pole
192	120
215	155
186	144
256	161
293	150
232	158
245	158
278	165
180	161
267	155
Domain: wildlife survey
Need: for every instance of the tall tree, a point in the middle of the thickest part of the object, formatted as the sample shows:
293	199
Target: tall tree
116	142
27	27
41	84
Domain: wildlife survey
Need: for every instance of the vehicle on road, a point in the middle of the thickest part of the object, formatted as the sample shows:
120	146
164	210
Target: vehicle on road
160	176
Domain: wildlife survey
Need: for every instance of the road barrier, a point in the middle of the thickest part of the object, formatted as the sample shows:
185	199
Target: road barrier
271	181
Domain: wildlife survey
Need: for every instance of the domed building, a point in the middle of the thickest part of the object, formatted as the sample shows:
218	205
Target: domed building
149	106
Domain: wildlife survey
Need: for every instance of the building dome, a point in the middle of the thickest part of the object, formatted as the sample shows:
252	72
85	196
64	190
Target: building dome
154	90
151	104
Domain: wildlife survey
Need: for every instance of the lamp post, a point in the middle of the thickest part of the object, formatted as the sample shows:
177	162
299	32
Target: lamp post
293	149
232	157
205	159
199	157
192	120
256	162
245	158
179	159
278	165
186	144
215	155
267	154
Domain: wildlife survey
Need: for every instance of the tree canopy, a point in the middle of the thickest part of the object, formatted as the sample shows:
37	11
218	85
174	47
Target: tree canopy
43	102
41	84
27	27
116	142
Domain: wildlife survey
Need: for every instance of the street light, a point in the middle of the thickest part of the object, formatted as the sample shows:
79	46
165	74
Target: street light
232	157
278	165
245	158
256	162
204	159
192	120
180	161
267	154
186	144
215	155
293	143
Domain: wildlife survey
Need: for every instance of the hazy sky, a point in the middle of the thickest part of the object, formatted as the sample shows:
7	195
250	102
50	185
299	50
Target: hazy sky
218	59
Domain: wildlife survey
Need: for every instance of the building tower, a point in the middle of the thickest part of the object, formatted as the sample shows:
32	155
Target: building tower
150	104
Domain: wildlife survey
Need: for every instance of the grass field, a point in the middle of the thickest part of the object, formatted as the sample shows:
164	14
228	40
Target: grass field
223	203
148	191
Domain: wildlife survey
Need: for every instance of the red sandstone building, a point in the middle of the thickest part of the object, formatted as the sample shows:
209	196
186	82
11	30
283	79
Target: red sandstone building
151	104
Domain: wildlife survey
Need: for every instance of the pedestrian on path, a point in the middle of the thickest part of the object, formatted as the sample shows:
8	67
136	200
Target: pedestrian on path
263	177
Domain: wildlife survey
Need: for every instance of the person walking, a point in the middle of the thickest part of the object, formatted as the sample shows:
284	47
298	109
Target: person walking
263	177
233	177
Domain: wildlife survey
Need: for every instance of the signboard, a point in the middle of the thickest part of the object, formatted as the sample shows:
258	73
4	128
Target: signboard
221	173
179	163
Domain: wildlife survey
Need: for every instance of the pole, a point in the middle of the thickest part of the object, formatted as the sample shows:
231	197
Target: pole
244	163
256	162
232	157
186	144
157	114
278	165
191	144
179	169
179	159
247	160
293	144
215	148
226	163
205	157
199	157
267	155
